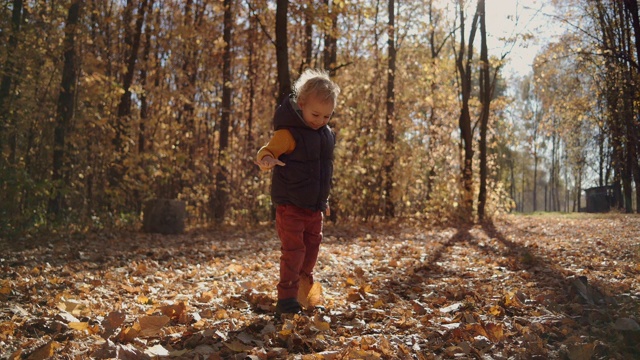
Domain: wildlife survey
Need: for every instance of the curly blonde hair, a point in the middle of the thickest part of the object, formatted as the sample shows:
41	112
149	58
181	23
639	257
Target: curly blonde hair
317	82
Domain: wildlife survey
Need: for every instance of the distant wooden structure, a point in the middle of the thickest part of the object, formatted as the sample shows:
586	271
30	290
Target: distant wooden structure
600	198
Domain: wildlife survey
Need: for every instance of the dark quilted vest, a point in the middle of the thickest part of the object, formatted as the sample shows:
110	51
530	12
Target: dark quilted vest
305	181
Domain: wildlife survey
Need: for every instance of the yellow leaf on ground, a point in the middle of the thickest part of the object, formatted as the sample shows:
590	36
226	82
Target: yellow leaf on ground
175	310
130	333
320	323
304	286
315	298
81	326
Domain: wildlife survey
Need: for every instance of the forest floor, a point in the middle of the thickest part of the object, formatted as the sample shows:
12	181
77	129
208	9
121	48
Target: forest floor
525	287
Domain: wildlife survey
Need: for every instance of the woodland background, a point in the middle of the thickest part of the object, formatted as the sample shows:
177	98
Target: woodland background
106	104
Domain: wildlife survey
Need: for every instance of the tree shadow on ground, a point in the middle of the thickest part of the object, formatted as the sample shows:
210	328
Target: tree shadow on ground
562	294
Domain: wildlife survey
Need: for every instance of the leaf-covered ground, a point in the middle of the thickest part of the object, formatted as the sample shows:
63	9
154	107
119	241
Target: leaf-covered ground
564	287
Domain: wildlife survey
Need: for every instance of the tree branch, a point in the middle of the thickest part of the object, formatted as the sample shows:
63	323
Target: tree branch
264	29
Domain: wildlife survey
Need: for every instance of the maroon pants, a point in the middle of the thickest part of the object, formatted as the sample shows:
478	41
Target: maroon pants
300	232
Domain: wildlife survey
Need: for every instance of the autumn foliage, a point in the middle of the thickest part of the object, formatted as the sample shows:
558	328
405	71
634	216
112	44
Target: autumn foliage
524	287
106	104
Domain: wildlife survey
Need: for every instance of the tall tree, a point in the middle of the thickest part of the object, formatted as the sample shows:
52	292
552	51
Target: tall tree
6	119
464	62
487	87
485	100
389	210
330	53
144	104
309	15
282	50
8	131
65	107
615	38
436	46
531	113
132	42
222	176
633	11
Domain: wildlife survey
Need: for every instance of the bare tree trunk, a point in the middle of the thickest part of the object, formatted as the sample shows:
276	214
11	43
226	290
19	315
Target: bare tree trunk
7	123
578	194
602	179
485	99
8	131
144	106
555	157
282	51
634	116
308	35
252	86
65	108
435	49
535	180
222	177
463	64
629	113
389	210
132	40
330	53
616	38
632	8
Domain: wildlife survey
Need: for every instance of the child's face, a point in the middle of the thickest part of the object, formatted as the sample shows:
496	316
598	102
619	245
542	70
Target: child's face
316	113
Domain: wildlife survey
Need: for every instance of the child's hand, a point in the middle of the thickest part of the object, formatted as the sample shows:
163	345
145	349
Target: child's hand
268	163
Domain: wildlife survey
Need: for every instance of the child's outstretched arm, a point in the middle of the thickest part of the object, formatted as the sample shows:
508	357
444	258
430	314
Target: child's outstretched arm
268	163
281	143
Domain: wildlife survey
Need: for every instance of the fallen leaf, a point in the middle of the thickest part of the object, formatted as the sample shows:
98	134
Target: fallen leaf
581	351
304	287
144	300
174	311
237	346
81	326
112	322
46	351
495	332
321	323
157	350
151	325
451	308
66	317
315	298
131	289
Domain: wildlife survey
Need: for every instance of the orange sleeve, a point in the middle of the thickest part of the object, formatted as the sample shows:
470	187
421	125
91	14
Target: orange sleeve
282	142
